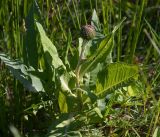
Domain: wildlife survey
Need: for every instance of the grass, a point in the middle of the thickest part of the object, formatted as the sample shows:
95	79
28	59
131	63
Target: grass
130	107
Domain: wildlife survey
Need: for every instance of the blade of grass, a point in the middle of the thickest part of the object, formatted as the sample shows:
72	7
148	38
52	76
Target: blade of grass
152	41
90	3
60	24
119	35
69	9
76	13
137	29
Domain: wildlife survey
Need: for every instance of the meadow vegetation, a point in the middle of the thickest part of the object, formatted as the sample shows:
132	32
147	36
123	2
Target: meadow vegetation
57	79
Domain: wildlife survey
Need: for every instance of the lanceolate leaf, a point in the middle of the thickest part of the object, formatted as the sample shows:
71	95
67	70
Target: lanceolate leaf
21	72
49	49
115	74
53	59
95	21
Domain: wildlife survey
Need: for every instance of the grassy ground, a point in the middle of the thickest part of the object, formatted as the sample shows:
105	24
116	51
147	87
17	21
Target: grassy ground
131	109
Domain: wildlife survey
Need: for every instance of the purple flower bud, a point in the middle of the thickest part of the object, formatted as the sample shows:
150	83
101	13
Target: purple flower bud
88	32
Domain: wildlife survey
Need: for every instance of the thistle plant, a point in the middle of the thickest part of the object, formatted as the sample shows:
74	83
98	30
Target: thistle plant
87	33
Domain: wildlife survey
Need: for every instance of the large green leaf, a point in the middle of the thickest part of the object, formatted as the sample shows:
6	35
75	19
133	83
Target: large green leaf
115	74
49	49
21	72
54	60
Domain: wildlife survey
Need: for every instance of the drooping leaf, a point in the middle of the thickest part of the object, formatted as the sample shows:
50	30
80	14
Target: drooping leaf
66	97
21	72
115	74
50	50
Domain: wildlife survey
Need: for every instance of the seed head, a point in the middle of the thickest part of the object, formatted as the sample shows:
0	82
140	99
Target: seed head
88	32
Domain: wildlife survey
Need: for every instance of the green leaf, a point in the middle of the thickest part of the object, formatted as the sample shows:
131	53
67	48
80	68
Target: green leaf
53	59
102	52
14	131
21	72
94	116
114	75
157	132
66	98
62	103
49	49
64	80
95	21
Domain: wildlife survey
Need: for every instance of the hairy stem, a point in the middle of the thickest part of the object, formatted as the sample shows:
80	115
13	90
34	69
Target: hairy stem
79	93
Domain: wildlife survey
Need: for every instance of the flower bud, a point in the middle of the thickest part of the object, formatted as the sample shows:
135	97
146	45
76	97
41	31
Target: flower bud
88	32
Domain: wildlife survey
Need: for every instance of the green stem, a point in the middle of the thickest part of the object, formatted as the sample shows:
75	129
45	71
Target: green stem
79	93
79	62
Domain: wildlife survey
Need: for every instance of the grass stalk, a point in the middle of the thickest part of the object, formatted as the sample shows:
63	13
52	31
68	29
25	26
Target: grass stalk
76	13
119	35
137	29
69	9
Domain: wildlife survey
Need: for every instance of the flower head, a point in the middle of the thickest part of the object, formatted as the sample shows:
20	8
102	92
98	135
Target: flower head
88	32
